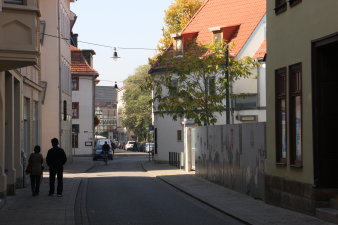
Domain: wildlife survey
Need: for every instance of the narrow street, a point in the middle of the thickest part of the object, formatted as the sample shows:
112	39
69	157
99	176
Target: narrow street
122	193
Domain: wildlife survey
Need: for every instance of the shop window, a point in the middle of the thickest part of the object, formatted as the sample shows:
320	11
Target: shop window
295	114
281	115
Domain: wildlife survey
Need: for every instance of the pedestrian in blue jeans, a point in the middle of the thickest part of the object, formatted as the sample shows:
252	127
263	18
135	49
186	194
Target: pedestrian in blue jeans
55	159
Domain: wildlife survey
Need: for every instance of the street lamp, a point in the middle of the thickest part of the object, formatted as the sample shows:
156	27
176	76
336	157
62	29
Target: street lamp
227	94
115	56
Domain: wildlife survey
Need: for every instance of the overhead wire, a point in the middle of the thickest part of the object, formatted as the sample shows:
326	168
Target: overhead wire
101	45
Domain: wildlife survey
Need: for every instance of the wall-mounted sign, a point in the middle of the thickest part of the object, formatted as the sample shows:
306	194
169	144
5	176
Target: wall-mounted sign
248	118
88	143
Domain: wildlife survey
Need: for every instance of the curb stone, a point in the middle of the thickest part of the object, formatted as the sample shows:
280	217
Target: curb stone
197	198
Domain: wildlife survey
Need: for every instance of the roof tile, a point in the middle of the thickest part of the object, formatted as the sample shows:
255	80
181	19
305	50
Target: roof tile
227	13
79	63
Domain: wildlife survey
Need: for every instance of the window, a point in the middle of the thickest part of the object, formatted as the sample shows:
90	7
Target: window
179	135
178	46
280	6
75	108
75	83
217	36
65	110
75	135
246	102
212	86
14	1
42	30
173	87
295	114
294	2
281	115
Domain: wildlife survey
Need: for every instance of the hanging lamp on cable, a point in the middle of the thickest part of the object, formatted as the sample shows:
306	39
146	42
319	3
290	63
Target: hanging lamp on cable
115	56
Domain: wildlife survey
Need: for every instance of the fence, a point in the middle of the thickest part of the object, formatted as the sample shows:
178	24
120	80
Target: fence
233	156
175	159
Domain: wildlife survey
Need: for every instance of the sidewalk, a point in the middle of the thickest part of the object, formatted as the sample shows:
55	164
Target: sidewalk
234	204
43	209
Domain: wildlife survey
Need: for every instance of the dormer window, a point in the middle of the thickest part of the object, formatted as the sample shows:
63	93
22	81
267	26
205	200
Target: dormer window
217	36
178	43
225	33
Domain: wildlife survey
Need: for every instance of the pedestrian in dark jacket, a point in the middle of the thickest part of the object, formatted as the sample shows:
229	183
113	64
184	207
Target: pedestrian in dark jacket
35	161
56	158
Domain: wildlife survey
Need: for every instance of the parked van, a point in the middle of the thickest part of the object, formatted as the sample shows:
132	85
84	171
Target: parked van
98	153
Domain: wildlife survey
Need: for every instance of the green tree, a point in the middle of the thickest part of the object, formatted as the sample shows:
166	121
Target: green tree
137	108
193	85
175	19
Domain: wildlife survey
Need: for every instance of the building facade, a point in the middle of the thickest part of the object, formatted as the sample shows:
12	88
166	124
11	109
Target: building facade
20	90
106	111
302	73
56	74
83	101
246	30
122	134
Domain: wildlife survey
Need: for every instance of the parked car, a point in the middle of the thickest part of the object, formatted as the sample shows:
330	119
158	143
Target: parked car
149	147
130	145
98	153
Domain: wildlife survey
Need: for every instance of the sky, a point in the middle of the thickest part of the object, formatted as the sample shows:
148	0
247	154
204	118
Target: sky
120	24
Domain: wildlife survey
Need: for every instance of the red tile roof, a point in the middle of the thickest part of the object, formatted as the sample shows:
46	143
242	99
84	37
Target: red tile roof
261	51
79	63
227	14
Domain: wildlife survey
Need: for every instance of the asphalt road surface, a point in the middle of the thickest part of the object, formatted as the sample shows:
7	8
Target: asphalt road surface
121	193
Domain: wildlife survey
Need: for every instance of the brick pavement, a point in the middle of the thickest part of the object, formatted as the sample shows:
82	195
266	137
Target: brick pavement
23	209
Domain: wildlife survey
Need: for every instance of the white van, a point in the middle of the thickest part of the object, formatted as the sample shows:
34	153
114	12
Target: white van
98	153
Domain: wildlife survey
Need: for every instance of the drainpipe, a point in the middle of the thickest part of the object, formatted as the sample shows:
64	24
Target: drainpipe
258	86
60	76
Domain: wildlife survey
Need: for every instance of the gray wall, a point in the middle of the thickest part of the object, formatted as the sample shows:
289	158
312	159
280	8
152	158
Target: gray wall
232	156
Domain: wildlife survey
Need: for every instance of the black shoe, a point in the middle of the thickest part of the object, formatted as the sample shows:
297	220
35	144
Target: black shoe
50	194
59	195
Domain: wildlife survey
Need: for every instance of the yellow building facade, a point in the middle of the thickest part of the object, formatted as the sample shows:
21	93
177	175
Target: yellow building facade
302	159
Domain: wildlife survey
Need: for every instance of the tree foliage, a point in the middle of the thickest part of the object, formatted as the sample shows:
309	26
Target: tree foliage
137	108
176	17
193	85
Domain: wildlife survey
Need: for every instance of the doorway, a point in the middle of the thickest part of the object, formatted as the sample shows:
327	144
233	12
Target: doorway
325	111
